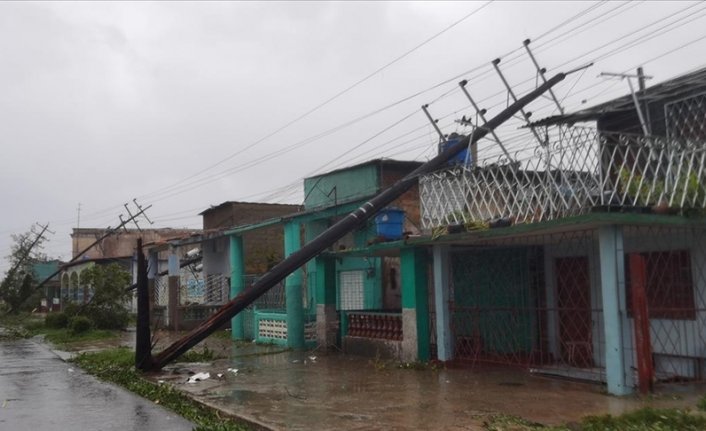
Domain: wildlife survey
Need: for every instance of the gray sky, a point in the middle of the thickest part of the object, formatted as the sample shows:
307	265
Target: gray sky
101	103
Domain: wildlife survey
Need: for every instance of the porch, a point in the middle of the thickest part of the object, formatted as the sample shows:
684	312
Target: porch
615	298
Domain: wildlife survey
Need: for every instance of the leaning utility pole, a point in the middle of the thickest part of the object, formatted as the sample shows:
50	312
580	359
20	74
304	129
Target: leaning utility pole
110	231
338	230
26	252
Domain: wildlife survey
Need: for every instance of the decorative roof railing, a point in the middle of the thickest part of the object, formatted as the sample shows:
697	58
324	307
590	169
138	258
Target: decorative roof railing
578	170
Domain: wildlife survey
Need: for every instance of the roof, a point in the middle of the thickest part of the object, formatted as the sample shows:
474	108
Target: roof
98	261
675	88
410	164
159	230
230	203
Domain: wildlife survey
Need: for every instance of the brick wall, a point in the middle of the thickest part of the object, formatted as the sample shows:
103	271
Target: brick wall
263	247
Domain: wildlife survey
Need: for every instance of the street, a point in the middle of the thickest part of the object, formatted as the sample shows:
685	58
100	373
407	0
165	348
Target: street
38	391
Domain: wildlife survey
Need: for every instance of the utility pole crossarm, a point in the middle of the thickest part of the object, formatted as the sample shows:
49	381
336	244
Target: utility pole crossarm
338	230
109	232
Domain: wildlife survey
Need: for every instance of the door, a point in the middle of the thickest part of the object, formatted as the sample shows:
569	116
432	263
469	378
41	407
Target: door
574	302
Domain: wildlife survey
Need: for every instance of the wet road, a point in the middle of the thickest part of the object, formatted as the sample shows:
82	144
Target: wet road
38	391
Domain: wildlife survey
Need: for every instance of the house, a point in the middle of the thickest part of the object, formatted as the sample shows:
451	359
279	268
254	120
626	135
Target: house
52	288
316	294
585	258
190	274
74	289
118	248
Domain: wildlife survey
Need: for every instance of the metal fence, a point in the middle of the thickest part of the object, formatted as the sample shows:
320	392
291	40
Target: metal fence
535	301
532	302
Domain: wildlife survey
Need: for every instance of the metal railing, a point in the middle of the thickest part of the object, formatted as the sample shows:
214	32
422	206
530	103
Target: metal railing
578	170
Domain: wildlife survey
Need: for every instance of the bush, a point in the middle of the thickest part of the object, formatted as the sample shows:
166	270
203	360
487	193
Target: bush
80	324
56	320
71	309
108	318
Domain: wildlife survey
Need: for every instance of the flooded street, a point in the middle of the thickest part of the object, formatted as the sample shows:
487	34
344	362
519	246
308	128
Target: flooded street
269	387
39	391
309	391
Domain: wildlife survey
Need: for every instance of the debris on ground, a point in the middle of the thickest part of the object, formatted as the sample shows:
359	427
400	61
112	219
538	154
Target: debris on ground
198	377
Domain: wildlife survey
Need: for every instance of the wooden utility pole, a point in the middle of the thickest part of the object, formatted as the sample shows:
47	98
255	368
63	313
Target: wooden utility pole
143	347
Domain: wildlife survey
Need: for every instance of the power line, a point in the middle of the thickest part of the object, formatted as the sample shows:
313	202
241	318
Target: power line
306	141
340	93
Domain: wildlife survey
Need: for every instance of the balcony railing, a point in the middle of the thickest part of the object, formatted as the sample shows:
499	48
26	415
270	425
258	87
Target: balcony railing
577	171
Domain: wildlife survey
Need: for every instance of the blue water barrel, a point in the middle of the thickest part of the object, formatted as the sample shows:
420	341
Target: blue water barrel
389	223
458	159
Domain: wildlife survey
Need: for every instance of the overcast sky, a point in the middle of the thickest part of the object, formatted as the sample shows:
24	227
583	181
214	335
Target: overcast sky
168	103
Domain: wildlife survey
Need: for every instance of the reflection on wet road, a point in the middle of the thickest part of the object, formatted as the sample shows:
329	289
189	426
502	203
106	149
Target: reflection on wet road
38	391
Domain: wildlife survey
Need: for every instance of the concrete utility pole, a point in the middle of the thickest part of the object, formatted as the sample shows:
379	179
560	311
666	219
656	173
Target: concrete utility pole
338	230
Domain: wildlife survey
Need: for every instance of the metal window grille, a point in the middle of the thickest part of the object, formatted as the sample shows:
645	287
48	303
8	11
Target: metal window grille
352	292
530	301
686	118
674	275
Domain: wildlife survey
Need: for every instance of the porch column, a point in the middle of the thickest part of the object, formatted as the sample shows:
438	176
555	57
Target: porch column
293	290
415	305
237	283
325	301
321	282
610	244
173	287
444	340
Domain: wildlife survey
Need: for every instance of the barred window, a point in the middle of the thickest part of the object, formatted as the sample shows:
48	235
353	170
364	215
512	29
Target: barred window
668	285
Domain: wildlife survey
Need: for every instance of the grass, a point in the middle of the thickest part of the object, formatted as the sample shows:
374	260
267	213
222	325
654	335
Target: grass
64	337
645	419
117	366
26	325
19	325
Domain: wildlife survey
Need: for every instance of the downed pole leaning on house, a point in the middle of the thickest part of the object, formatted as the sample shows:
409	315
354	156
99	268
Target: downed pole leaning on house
337	231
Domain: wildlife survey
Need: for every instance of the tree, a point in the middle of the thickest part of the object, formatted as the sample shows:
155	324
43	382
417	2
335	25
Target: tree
18	285
107	306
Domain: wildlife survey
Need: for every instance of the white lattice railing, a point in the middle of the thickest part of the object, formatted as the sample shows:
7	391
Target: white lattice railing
577	171
161	294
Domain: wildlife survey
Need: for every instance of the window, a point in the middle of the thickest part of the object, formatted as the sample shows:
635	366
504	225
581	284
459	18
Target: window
352	291
669	288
